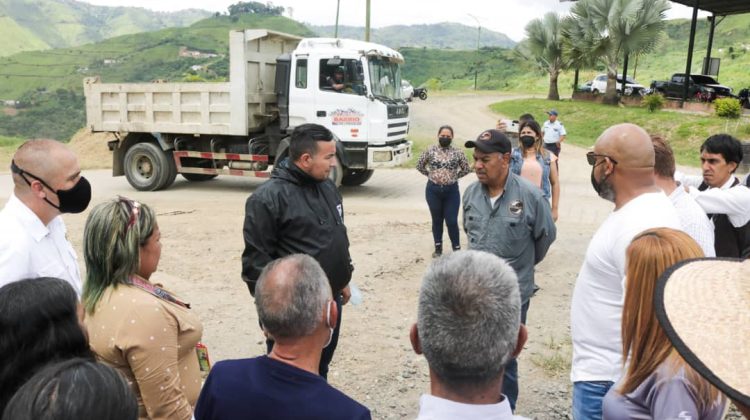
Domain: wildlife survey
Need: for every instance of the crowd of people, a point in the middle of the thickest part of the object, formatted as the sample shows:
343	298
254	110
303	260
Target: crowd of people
645	311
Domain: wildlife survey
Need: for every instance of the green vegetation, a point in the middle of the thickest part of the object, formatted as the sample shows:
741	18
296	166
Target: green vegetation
156	56
607	30
446	35
8	146
58	114
31	76
43	24
728	108
543	46
653	102
585	121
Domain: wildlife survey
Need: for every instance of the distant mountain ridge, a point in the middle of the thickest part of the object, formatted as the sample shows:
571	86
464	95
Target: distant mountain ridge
27	25
445	35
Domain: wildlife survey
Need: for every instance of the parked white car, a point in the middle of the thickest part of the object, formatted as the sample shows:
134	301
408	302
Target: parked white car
407	90
632	87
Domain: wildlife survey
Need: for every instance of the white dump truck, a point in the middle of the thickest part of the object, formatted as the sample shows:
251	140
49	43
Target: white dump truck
276	82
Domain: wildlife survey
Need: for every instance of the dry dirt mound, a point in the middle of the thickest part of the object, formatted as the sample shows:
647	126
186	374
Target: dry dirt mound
91	149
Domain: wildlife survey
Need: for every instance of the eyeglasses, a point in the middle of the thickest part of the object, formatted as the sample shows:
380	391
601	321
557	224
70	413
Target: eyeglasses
591	158
134	210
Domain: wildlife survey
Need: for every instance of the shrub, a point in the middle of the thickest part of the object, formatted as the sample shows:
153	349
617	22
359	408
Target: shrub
653	102
728	107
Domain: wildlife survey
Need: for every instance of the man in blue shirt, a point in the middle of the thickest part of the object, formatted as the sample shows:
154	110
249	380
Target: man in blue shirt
296	308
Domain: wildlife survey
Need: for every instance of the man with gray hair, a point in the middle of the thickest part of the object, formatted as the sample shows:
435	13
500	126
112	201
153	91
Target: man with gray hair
468	328
296	309
47	183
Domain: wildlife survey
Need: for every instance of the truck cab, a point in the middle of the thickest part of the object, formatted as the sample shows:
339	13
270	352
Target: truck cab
354	89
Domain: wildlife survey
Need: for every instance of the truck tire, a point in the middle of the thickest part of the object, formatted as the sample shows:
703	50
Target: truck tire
354	177
423	95
198	177
337	173
148	168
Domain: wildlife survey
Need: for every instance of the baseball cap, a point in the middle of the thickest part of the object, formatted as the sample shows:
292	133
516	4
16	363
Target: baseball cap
490	141
552	112
703	305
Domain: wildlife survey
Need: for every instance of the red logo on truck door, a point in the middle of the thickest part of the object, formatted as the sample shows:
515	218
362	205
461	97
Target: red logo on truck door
346	117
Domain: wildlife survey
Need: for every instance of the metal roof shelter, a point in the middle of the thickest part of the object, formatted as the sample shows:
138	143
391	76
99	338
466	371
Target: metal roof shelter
716	8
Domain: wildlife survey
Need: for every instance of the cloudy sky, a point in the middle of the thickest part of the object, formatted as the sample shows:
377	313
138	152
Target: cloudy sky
506	16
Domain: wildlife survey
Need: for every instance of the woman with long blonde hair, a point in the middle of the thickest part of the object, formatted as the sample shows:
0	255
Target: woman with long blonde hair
657	383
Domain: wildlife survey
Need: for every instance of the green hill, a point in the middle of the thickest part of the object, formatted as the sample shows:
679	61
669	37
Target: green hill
439	35
49	83
27	25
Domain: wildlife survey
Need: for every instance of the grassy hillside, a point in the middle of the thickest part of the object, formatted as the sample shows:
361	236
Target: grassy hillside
439	35
42	24
50	83
585	121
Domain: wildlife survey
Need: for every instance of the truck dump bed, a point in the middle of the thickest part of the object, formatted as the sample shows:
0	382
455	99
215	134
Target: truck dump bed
244	105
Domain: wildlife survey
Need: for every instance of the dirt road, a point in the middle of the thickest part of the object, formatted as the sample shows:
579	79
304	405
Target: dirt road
389	228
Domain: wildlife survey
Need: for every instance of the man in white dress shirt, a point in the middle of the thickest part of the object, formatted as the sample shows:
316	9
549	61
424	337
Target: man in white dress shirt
47	183
692	217
468	328
722	196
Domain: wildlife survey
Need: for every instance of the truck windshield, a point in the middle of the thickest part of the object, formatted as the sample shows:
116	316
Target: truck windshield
385	77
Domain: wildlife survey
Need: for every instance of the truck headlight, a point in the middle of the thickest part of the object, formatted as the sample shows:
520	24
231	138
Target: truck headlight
384	156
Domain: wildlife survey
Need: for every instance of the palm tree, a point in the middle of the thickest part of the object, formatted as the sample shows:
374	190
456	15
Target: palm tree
543	46
609	29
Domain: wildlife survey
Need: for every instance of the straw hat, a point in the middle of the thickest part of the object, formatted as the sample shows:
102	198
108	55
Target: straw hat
704	307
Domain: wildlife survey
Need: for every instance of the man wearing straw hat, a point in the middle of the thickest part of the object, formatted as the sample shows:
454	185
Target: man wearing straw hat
622	172
704	307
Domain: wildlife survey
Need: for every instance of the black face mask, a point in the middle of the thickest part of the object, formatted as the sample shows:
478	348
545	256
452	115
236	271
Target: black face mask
602	188
527	141
73	200
444	141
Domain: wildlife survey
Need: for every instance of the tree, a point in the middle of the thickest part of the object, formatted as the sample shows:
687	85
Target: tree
606	30
255	7
543	46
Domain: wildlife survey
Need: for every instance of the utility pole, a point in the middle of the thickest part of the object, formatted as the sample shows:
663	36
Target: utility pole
367	22
476	64
336	31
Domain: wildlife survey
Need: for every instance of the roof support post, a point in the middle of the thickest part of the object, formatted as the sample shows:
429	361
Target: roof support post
707	61
691	45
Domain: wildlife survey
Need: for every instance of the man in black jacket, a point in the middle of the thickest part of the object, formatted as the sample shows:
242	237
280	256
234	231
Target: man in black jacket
299	211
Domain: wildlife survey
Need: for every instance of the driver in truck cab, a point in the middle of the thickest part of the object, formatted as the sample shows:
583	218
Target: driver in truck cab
337	81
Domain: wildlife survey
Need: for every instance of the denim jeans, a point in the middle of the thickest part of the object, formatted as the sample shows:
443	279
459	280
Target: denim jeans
510	378
443	201
587	399
327	355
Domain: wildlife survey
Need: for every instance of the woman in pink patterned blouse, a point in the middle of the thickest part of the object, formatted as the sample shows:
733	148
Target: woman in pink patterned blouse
444	165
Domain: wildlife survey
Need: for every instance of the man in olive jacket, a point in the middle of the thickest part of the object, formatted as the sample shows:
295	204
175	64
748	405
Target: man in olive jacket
506	215
299	211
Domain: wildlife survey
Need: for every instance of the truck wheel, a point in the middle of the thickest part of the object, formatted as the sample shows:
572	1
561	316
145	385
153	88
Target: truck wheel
198	177
423	95
148	168
337	173
171	171
355	177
